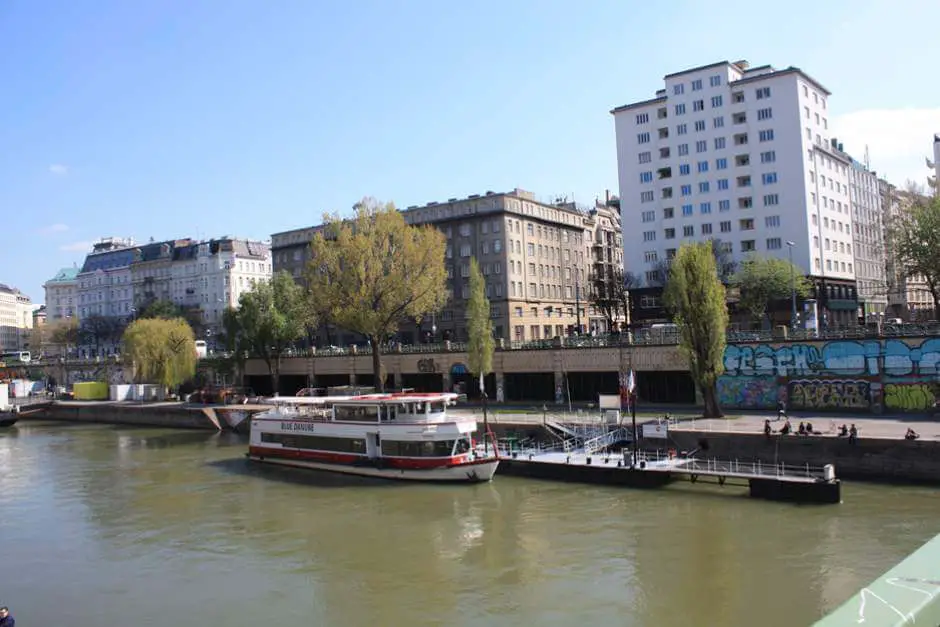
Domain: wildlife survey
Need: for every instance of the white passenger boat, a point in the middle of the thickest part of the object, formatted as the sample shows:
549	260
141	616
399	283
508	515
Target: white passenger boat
394	436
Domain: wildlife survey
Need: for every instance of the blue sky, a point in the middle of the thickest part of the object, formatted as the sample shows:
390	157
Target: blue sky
175	118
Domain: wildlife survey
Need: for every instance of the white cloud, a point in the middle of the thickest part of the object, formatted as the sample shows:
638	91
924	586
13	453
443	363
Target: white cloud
58	227
898	140
76	247
59	169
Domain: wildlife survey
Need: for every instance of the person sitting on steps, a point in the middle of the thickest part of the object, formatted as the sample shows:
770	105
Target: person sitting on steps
802	428
809	428
843	431
767	429
911	434
786	428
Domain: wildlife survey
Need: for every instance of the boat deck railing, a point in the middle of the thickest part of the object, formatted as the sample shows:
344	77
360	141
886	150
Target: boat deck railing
738	468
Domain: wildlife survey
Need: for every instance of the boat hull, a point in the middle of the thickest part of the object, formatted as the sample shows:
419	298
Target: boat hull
477	471
6	421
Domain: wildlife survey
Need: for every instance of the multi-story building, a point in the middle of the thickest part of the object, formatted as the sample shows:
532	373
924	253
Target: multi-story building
537	259
16	319
62	294
933	182
739	154
104	281
909	299
291	250
868	240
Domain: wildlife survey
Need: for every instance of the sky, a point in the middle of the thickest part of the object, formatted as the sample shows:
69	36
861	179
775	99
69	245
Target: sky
204	118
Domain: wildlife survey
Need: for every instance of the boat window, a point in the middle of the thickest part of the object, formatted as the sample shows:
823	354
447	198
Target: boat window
357	413
399	448
462	446
316	443
437	407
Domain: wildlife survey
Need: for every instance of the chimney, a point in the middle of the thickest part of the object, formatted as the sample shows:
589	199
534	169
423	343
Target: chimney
606	196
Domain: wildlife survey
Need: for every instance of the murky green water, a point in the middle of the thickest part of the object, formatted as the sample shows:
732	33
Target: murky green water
109	526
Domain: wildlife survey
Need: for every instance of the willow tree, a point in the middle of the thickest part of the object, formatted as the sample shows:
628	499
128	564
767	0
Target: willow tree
914	233
271	316
696	297
479	326
161	350
374	272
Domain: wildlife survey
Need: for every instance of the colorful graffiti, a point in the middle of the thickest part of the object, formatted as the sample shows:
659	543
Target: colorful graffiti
847	375
832	394
910	396
750	392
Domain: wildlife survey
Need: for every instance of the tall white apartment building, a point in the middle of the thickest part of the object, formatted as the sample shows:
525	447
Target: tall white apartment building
16	319
742	155
868	239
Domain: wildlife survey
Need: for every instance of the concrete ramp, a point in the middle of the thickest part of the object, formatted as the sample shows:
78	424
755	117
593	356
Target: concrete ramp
213	418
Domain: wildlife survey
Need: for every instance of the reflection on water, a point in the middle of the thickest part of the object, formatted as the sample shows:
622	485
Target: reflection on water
133	526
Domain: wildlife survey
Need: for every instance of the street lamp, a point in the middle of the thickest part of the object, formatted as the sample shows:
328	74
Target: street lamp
790	246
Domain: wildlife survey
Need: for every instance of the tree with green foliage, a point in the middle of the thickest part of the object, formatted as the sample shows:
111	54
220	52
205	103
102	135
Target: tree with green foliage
271	316
160	309
762	280
374	272
914	236
481	345
97	330
696	297
161	350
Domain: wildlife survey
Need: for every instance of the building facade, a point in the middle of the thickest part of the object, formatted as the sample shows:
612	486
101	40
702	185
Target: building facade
62	294
16	319
908	297
537	259
868	241
741	155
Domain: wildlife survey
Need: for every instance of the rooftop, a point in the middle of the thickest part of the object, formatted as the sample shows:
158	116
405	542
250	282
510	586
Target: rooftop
65	275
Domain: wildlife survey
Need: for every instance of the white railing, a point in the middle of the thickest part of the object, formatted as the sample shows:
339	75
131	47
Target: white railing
726	467
605	440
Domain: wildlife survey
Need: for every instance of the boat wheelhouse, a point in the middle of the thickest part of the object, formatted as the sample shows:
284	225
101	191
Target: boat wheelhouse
395	436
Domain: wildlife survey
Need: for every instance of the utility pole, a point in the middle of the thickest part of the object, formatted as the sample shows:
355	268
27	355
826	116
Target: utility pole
577	299
790	246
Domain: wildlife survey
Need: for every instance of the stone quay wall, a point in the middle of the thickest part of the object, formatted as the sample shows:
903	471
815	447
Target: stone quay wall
170	416
866	459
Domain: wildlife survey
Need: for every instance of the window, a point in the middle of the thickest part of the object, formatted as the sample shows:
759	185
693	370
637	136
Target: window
684	169
642	118
686	210
645	157
724	205
769	178
768	157
664	133
722	184
774	243
715	80
701	146
725	226
697	84
698	105
740	139
680	109
677	90
744	181
686	190
703	166
688	231
766	135
706	229
682	129
705	208
649	216
699	125
664	153
748	245
763	92
703	187
772	222
771	200
649	236
719	143
646	196
667	192
742	160
646	177
683	150
746	224
765	114
650	256
670	234
737	97
716	102
643	138
721	164
668	213
719	122
745	203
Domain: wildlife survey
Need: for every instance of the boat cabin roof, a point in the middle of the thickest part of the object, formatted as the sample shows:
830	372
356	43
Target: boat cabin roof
401	398
306	400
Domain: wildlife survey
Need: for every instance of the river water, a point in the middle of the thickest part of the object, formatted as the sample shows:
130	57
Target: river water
105	526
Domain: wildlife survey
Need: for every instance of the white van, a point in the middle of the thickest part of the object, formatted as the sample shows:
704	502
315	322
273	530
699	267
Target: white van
201	349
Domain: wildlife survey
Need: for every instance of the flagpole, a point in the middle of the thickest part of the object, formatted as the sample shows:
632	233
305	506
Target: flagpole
486	426
636	451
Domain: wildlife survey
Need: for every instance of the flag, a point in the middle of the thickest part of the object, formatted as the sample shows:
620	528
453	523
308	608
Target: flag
631	382
627	386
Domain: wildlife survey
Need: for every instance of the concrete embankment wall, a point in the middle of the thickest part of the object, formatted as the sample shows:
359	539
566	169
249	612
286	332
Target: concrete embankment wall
867	459
140	415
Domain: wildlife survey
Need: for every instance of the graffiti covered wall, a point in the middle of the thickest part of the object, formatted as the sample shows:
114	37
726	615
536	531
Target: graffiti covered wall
843	375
